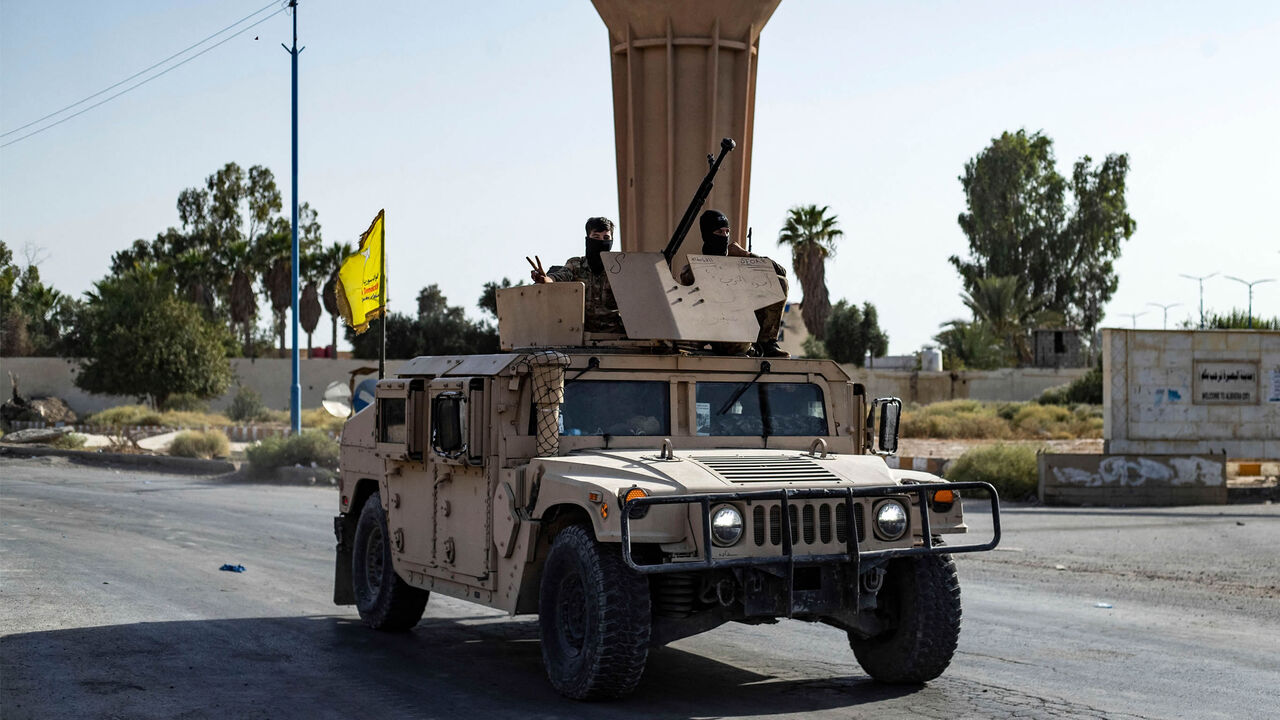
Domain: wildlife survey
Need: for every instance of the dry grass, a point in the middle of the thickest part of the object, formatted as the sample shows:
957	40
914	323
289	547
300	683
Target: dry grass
320	419
126	415
1001	421
205	444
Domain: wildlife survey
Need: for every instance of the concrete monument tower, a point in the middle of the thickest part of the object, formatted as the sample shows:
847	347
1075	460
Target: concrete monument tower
684	76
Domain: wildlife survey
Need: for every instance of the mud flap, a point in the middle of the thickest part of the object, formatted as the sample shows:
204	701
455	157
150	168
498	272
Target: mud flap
343	593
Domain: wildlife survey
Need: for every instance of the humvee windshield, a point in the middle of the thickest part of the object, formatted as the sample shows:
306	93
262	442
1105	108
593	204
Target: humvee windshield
616	407
642	407
762	409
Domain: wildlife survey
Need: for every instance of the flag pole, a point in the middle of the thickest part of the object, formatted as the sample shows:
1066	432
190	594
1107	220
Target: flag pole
382	300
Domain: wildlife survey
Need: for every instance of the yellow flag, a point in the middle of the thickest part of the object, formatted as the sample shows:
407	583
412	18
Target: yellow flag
362	290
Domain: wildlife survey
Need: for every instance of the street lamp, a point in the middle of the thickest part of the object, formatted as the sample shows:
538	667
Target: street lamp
1134	317
1166	311
1250	286
1200	279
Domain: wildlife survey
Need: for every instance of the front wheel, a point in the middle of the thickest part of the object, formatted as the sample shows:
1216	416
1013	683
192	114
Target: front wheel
384	600
920	604
594	615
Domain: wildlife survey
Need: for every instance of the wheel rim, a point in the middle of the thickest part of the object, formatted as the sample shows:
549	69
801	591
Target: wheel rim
373	568
571	612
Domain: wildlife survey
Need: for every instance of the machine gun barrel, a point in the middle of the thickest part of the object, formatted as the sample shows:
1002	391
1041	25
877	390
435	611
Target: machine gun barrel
700	197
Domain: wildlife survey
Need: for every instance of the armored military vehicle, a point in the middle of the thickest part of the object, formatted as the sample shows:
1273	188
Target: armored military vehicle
634	491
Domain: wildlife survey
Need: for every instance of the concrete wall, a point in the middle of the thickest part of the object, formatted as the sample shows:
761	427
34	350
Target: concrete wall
1132	480
1192	391
39	377
271	377
1007	385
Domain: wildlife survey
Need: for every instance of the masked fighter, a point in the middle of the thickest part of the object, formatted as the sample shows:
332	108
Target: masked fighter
601	311
716	241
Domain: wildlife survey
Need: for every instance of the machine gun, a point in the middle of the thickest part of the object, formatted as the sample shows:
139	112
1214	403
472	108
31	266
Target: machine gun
699	198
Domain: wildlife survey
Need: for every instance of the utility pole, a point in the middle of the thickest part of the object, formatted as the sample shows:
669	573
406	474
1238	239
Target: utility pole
1166	311
1134	317
295	390
1200	279
1250	286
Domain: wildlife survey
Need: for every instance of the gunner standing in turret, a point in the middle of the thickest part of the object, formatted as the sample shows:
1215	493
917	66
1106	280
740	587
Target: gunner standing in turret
715	241
600	308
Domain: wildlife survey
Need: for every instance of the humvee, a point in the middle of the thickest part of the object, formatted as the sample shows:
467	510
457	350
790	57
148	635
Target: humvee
634	491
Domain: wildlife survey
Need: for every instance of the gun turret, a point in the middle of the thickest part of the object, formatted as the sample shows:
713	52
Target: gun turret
699	197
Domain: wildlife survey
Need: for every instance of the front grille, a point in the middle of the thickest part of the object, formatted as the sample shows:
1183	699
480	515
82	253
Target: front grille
766	468
812	523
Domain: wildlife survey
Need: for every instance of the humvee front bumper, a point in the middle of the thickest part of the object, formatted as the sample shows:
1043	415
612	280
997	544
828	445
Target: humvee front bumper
851	553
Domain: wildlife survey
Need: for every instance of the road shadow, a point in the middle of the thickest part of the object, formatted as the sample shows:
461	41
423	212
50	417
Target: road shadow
325	666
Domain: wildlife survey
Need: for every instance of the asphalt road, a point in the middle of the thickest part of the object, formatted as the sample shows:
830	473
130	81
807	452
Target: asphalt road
112	605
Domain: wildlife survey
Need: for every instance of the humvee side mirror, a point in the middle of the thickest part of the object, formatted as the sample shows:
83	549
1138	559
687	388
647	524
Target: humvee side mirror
449	424
887	434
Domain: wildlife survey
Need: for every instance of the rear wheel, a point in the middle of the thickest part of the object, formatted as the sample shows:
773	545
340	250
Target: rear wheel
384	600
594	616
920	604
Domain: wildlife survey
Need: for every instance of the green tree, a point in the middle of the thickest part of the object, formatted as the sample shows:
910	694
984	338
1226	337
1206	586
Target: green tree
222	232
488	301
1018	223
970	345
1235	319
329	260
438	329
853	332
33	316
144	340
1004	305
811	235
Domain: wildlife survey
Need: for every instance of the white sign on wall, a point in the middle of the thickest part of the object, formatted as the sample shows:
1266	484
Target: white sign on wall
1274	395
1225	383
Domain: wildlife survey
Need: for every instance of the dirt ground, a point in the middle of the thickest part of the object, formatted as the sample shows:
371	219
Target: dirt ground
954	448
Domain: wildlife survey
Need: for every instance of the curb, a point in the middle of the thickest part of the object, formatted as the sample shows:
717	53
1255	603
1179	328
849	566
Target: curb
153	463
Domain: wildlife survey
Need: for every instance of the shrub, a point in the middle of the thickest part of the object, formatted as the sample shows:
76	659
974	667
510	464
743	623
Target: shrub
320	419
312	446
1085	389
247	406
200	444
185	402
125	415
1011	469
954	419
70	441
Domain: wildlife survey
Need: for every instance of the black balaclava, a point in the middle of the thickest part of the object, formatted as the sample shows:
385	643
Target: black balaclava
713	244
594	248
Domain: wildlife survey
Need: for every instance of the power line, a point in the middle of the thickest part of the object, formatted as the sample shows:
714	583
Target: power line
144	82
140	72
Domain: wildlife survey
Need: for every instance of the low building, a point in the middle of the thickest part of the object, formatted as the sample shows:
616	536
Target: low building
1058	348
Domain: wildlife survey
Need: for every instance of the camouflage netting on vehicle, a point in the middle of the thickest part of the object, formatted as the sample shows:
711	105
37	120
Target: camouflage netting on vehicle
546	367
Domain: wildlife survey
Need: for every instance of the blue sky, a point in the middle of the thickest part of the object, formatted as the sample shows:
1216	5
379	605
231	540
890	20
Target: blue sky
485	130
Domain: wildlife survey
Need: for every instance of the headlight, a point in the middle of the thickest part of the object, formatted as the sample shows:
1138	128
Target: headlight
891	520
726	525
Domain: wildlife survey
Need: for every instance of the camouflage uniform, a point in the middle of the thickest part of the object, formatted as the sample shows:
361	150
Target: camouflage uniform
601	309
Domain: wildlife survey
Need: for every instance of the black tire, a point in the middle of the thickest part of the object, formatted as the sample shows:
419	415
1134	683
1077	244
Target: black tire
920	601
384	600
594	615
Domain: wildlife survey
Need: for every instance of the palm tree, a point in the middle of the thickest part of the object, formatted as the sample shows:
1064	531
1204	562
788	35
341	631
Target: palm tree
330	260
279	282
812	235
309	311
244	306
1006	306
